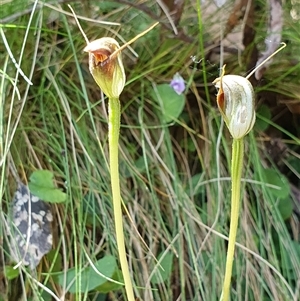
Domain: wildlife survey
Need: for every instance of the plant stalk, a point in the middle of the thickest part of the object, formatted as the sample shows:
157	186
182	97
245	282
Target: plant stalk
113	136
236	174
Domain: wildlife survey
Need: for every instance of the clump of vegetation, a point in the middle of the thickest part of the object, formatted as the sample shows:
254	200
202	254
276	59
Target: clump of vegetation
174	152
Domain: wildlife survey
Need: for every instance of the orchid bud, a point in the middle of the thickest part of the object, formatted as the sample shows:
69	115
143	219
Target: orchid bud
106	66
236	103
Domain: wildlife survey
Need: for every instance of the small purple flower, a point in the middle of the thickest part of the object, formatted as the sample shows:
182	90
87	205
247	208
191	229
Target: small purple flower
178	84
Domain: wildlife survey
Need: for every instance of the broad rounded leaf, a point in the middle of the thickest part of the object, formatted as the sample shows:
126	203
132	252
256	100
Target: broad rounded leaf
41	185
109	286
11	273
163	272
260	124
89	278
285	207
275	178
171	103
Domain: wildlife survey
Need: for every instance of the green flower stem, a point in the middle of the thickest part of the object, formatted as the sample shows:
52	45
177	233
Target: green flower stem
236	174
113	136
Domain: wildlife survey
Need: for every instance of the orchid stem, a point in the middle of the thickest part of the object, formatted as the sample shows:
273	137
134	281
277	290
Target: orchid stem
113	135
236	174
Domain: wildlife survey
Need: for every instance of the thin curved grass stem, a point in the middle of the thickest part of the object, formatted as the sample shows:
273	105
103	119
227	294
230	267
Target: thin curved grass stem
236	174
114	129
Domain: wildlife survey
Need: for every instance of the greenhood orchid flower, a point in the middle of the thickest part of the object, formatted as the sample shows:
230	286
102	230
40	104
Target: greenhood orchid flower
106	66
236	102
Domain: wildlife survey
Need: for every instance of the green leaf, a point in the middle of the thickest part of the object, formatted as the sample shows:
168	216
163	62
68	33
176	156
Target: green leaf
295	163
55	260
196	187
163	271
10	272
273	177
41	185
287	263
89	278
107	6
45	295
171	103
285	207
265	112
109	286
101	297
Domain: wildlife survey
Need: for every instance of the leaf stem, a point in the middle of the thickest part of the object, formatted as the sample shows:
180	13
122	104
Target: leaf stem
113	136
236	174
